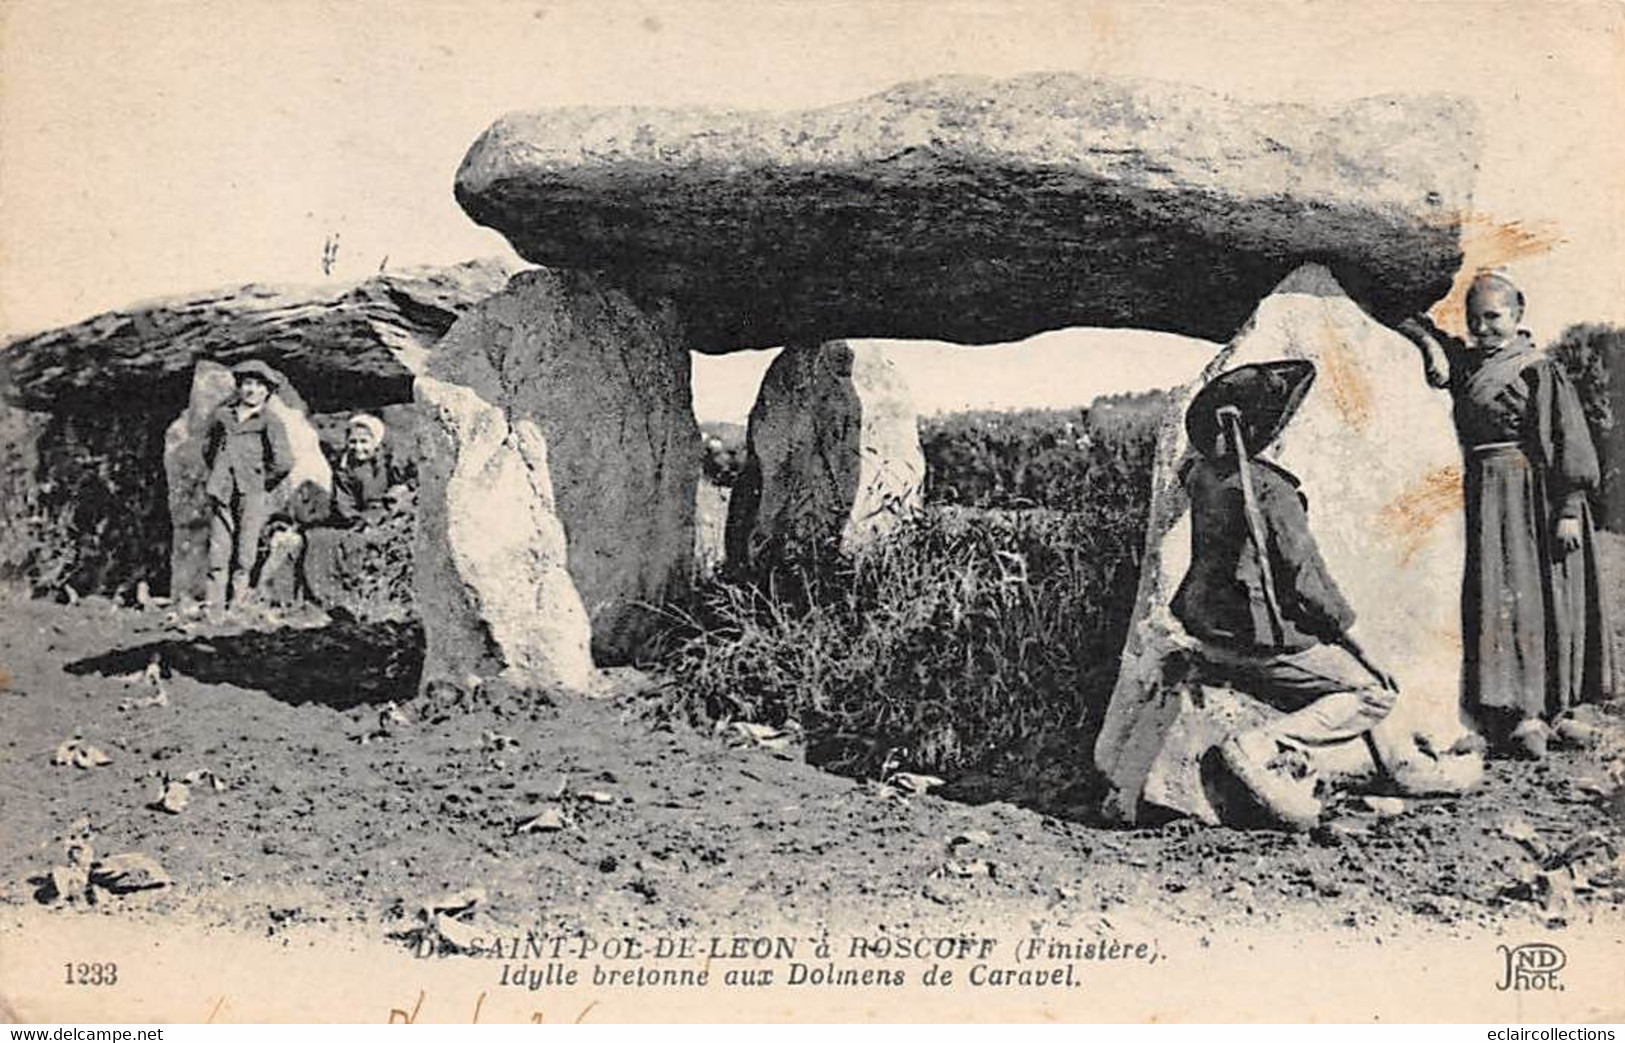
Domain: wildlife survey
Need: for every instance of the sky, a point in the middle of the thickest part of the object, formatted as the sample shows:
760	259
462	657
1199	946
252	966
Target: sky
1061	369
154	148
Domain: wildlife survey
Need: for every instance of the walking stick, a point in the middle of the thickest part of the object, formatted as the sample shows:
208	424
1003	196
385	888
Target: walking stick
1230	418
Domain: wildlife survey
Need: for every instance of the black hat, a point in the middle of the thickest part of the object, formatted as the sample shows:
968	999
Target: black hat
1266	393
257	370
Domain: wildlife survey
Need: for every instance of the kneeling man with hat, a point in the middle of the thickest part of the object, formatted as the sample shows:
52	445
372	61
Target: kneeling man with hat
1267	615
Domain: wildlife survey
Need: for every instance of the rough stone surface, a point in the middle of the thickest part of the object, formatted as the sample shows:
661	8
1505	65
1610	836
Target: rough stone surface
84	501
346	345
365	571
710	528
975	210
306	494
607	387
833	455
25	535
185	475
1378	459
302	496
493	590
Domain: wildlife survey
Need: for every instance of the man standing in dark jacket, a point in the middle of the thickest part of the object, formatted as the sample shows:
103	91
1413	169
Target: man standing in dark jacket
1267	615
247	453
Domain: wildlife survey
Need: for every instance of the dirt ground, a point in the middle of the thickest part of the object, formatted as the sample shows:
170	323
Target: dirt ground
333	814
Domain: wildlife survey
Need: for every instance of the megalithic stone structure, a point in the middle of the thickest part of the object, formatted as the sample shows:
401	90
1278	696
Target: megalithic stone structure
960	208
562	408
99	396
833	457
1378	458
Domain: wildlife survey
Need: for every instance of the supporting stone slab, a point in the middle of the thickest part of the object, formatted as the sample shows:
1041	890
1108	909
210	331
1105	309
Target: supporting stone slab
833	457
493	591
1377	455
604	386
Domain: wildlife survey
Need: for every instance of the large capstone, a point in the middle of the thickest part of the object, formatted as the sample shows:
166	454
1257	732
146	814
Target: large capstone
345	345
493	591
976	210
606	386
833	457
1378	459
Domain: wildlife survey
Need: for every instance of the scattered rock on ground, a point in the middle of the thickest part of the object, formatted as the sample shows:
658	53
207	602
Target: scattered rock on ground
80	754
128	873
548	820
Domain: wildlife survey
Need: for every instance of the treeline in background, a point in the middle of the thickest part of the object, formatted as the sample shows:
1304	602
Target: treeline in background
1593	355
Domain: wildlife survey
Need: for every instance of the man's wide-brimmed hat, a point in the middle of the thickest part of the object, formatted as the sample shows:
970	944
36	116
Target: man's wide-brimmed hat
1265	393
257	370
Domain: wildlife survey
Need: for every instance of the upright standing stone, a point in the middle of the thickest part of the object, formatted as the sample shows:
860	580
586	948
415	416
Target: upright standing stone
493	590
605	386
212	387
710	528
1377	455
306	494
833	456
302	495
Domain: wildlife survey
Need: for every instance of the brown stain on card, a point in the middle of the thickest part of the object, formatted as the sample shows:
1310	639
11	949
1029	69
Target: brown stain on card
1490	242
1411	516
1444	637
1345	379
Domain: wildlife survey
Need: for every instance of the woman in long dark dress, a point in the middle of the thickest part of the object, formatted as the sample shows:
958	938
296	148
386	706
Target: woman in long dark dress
1535	638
